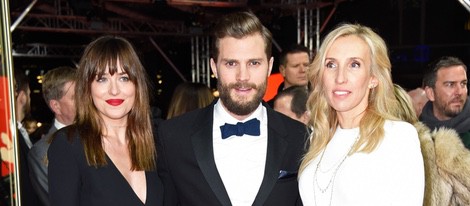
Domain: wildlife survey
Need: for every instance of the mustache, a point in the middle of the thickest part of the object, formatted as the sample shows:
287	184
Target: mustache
459	99
239	85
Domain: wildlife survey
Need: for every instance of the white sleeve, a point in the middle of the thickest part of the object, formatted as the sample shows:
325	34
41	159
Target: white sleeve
408	176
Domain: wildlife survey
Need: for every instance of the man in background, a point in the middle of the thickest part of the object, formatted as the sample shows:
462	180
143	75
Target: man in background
446	88
294	62
22	109
58	90
293	65
293	103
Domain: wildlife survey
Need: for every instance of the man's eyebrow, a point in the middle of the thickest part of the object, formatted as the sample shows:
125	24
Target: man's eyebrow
256	59
228	60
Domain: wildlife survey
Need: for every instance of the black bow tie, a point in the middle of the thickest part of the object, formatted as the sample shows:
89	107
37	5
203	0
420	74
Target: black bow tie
250	127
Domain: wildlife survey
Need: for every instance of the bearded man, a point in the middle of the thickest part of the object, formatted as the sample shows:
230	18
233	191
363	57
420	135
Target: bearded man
448	106
236	151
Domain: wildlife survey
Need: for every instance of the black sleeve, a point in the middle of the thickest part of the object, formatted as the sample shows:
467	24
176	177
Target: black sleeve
38	172
63	169
170	195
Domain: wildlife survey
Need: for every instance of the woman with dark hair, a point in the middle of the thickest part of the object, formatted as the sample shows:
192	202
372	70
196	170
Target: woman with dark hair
108	156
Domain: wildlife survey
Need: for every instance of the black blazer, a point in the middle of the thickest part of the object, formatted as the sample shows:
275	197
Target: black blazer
187	168
28	195
72	182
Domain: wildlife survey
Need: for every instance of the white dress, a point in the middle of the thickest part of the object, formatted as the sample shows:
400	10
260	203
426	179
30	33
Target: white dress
393	174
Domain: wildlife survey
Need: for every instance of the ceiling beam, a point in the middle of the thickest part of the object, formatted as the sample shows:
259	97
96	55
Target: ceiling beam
122	11
84	25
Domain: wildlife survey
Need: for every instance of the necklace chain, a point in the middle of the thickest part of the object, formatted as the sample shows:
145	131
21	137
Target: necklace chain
331	182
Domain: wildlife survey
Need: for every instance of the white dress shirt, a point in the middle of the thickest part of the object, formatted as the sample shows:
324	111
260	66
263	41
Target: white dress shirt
58	124
240	160
25	134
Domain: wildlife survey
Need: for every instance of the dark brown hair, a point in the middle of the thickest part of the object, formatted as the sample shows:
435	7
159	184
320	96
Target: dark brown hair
108	51
239	25
443	62
293	49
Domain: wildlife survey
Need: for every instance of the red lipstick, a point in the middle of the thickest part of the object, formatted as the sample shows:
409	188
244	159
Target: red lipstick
114	102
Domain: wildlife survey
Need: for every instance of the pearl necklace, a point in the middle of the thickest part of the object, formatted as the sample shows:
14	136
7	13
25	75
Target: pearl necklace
331	182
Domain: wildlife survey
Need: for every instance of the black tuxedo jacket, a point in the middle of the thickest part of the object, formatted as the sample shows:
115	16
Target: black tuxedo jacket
187	168
28	195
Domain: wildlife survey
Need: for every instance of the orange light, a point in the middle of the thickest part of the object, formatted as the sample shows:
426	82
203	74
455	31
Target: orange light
274	80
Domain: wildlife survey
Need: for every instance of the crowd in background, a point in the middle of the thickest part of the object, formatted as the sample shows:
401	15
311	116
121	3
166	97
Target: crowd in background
337	123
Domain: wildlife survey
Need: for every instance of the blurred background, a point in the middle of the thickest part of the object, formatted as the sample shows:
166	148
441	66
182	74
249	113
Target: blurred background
172	40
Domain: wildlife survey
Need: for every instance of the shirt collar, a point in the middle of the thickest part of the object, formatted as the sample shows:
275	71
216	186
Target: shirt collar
221	116
58	124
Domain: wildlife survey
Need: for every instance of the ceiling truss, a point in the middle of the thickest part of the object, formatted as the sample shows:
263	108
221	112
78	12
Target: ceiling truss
79	24
60	18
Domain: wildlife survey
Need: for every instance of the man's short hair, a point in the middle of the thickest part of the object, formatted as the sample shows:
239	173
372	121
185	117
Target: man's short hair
239	25
292	49
430	76
299	96
54	80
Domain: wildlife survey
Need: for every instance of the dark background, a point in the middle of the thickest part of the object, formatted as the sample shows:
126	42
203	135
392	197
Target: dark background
416	31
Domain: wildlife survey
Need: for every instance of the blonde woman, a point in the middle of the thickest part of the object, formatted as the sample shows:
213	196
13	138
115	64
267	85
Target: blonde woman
360	152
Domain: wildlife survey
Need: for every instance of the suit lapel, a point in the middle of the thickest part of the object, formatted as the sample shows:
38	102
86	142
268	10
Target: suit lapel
51	131
276	150
204	153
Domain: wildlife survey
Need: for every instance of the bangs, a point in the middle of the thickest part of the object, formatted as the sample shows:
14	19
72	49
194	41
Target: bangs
112	55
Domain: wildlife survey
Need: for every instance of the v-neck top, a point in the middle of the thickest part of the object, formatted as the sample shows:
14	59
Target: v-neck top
73	182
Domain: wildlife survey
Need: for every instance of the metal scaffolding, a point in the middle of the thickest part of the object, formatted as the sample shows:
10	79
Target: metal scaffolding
84	25
200	60
47	50
308	24
60	18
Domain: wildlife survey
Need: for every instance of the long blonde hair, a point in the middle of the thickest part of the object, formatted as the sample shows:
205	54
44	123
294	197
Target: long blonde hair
382	104
407	113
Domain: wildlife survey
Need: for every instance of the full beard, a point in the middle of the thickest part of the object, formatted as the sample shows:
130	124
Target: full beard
452	112
241	106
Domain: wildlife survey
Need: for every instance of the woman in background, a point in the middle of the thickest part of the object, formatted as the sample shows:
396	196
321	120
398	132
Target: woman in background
360	152
108	156
189	96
